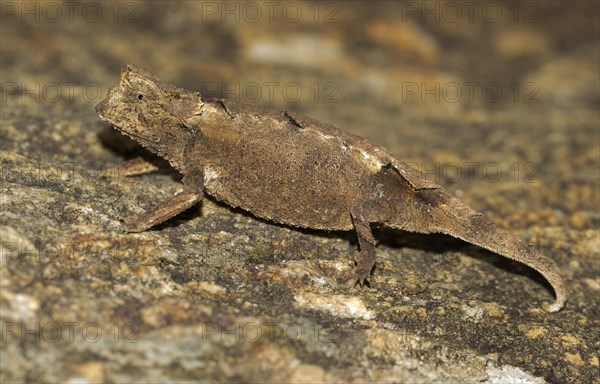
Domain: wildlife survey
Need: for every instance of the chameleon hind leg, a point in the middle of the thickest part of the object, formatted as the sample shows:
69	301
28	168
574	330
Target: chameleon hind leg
365	257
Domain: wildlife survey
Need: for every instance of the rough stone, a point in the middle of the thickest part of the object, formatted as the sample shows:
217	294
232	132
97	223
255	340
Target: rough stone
218	295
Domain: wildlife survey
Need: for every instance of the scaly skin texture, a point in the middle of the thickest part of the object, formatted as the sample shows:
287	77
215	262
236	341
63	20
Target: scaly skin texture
293	170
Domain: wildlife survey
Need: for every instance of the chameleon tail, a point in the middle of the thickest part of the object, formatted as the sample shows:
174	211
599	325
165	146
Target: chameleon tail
454	218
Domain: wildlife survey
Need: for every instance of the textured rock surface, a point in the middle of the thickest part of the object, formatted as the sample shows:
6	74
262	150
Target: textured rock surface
216	294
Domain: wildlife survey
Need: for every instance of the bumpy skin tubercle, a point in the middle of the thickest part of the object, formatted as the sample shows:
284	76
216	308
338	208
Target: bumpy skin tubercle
293	170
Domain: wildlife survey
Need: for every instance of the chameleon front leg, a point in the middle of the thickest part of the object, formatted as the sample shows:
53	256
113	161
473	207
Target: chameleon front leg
133	167
193	193
365	257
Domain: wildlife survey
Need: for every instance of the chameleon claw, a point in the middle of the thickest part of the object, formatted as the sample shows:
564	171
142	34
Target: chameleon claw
130	224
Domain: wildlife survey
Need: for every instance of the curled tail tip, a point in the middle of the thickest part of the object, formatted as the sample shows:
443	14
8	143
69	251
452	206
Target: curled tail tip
556	306
551	274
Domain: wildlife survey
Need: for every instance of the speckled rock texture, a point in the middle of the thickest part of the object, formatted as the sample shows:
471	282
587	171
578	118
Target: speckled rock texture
496	101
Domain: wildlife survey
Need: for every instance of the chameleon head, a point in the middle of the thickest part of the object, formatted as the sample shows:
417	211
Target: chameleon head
152	113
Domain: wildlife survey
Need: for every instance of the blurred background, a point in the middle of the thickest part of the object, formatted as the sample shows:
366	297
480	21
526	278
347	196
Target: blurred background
495	100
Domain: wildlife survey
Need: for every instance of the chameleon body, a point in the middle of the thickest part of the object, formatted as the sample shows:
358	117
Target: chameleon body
293	170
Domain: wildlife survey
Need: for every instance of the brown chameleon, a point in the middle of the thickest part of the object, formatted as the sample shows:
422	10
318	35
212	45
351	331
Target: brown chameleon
292	170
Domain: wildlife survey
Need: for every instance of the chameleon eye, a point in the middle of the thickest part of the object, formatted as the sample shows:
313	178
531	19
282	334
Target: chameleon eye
140	96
